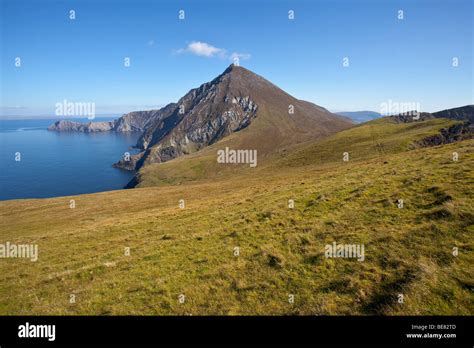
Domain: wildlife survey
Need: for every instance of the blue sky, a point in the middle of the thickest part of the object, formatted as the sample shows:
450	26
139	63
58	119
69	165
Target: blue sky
408	60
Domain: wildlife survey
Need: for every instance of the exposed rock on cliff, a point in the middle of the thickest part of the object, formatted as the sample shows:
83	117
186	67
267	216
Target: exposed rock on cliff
136	121
90	127
454	133
449	135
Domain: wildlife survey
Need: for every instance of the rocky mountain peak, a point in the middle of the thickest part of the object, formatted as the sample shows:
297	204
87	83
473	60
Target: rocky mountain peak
230	103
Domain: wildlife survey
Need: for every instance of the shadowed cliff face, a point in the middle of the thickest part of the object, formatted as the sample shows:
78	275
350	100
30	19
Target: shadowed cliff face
238	100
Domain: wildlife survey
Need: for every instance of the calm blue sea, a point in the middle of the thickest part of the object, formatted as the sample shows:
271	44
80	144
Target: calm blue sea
57	164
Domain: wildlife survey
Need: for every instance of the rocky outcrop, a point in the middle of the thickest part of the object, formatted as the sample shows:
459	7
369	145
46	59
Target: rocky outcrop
197	121
412	116
463	113
90	127
457	132
130	163
136	121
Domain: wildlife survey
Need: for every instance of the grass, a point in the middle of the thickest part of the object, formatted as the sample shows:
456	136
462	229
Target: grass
191	251
369	140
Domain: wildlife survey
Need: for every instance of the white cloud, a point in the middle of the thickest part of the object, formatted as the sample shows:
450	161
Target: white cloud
204	49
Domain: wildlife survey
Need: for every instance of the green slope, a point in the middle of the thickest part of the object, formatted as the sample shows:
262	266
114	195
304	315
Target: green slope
368	140
191	251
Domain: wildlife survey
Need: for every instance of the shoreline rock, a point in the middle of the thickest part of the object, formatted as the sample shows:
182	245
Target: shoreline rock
90	127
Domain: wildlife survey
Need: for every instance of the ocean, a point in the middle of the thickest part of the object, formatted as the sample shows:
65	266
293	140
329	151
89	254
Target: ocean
37	163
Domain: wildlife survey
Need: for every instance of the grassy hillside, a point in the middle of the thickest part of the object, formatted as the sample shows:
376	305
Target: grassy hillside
368	140
191	251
